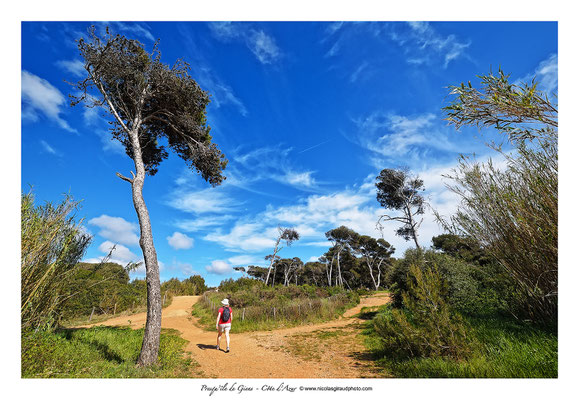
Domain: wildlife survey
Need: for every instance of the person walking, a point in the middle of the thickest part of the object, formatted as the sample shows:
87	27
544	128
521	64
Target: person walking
223	324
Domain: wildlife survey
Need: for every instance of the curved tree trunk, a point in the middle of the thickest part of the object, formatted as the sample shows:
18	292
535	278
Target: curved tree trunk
150	347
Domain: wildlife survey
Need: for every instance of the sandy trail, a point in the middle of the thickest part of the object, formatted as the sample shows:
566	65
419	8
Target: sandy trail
285	353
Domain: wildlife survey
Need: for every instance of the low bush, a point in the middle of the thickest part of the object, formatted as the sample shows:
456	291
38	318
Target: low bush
426	326
256	306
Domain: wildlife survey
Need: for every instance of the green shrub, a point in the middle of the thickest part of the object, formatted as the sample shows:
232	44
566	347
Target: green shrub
471	288
426	326
100	352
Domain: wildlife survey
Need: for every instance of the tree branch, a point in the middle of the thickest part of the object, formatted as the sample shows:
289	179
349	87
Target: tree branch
124	178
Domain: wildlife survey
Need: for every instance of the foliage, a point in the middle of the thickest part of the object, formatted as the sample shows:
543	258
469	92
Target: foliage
104	286
471	288
464	247
192	286
397	190
100	352
508	107
160	101
52	243
257	306
426	326
513	210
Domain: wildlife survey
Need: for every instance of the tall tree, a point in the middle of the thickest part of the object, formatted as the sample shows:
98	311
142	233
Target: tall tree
289	235
150	103
399	191
341	238
375	254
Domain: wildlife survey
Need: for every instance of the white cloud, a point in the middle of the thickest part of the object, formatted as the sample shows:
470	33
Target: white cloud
180	241
120	252
116	229
243	237
39	96
75	67
219	267
201	223
299	179
120	255
210	200
244	260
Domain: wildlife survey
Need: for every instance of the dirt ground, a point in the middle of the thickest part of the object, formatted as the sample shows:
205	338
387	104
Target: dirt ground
328	350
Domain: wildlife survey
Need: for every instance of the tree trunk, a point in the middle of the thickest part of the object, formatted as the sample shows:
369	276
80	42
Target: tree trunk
412	226
372	275
272	260
150	348
339	277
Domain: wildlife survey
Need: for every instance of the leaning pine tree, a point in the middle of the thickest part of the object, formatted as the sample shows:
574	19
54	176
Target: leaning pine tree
149	103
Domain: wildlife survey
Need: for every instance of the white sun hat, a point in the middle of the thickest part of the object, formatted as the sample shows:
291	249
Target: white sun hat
225	302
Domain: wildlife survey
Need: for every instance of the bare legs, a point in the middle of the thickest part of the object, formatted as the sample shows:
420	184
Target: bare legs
226	337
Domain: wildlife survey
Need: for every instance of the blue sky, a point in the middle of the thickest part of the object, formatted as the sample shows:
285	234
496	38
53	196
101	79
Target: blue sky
307	113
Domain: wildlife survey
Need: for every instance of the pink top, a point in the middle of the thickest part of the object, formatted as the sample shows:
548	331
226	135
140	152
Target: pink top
221	321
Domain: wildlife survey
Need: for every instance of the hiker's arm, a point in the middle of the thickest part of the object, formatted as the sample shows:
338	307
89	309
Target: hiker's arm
217	322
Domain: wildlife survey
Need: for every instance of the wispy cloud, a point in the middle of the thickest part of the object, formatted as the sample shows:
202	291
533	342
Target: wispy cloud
138	29
40	97
546	75
269	163
402	138
356	74
261	44
221	93
210	200
49	149
263	47
243	237
420	41
74	67
424	45
202	223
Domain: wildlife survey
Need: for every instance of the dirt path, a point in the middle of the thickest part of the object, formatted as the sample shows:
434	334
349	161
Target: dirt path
328	350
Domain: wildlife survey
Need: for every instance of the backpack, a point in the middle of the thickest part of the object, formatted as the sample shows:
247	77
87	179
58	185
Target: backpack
226	314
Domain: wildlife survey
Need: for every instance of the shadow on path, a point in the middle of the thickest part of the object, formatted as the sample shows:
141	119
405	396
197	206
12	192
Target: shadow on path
206	346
